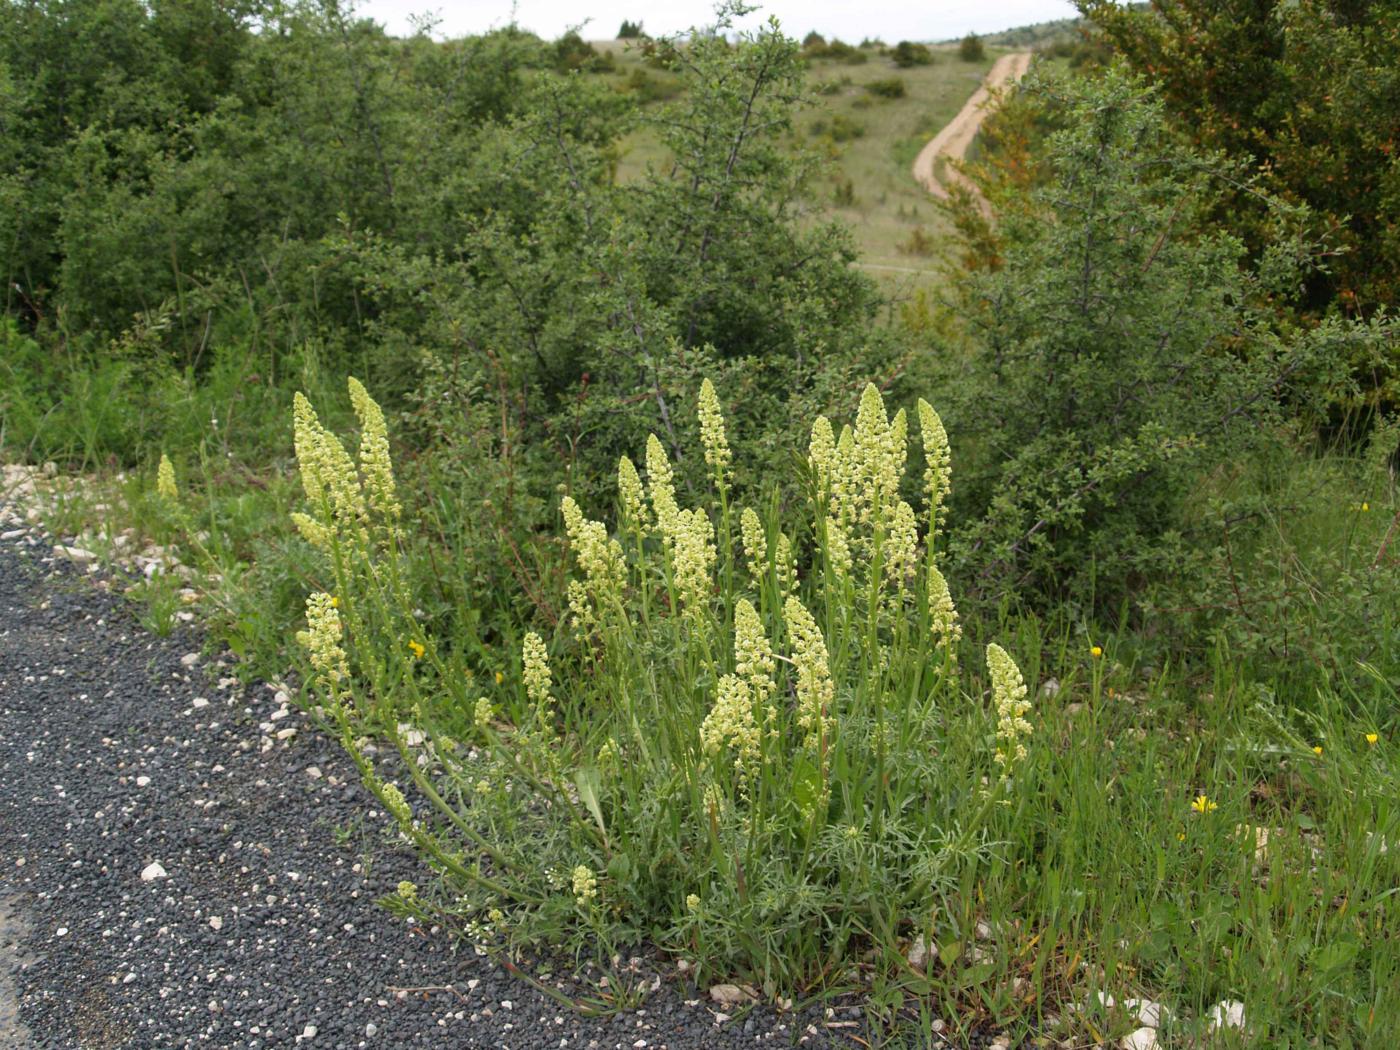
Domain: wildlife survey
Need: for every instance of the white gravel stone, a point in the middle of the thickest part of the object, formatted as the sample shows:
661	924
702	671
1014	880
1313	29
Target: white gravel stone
1228	1013
1142	1039
142	781
77	555
1149	1014
198	702
216	923
189	659
309	1032
153	871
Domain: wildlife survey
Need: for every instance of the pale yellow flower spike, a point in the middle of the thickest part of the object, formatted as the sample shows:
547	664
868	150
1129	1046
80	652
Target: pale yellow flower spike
694	557
712	436
321	640
600	558
375	464
753	656
327	471
166	488
585	884
786	565
731	723
943	616
901	552
662	489
815	691
538	679
1009	693
755	543
938	474
631	494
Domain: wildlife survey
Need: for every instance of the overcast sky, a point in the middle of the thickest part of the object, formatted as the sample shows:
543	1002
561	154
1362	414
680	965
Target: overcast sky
890	20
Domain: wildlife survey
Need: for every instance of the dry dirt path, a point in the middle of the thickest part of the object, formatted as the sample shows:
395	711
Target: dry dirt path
953	142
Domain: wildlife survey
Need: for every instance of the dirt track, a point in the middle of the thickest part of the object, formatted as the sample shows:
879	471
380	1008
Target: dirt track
953	141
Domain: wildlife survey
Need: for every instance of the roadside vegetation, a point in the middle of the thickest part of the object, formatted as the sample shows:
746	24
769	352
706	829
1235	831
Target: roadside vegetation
1021	652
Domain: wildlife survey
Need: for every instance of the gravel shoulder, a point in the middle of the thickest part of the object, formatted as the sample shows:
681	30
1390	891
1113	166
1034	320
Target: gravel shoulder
187	863
954	140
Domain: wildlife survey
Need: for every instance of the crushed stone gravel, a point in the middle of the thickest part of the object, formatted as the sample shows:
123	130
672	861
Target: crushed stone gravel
172	875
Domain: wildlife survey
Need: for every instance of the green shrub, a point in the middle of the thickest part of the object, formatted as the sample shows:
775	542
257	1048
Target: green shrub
890	87
907	54
971	49
1119	356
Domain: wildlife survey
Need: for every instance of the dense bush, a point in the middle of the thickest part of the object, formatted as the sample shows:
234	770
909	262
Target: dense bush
970	49
906	54
1120	355
1308	92
889	87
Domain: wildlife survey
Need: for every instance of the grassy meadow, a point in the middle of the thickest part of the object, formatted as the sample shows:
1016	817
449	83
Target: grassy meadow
1029	670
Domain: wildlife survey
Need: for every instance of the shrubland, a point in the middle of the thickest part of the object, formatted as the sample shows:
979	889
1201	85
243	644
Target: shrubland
676	593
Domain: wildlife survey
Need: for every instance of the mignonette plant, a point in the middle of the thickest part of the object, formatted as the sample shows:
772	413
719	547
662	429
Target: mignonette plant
748	744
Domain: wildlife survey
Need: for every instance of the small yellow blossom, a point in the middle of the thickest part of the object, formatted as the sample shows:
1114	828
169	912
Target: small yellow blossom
482	713
408	891
500	677
1371	738
416	648
335	602
1202	804
585	884
1096	651
692	903
1317	750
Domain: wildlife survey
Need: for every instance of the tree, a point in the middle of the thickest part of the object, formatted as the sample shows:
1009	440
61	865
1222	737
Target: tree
971	49
630	30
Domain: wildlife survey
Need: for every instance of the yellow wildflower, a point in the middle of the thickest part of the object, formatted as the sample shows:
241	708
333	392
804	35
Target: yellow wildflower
1009	693
600	558
375	464
327	471
692	903
694	557
786	565
901	549
1371	738
1095	651
712	436
821	453
416	647
731	722
942	614
938	471
394	802
500	677
755	543
815	690
631	495
1202	804
538	678
585	884
166	488
1317	750
321	639
662	489
753	656
482	713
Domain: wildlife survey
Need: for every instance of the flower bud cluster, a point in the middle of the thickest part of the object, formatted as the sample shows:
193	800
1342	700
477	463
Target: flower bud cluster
538	679
755	544
631	495
166	488
1009	695
938	472
375	465
712	435
815	690
321	640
